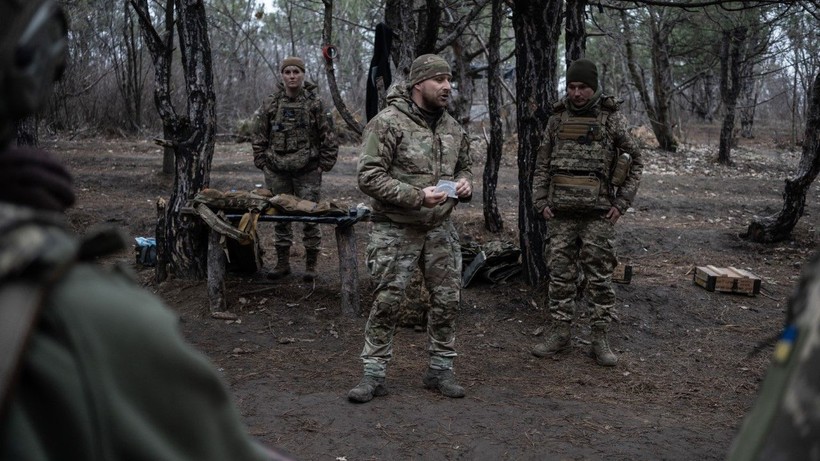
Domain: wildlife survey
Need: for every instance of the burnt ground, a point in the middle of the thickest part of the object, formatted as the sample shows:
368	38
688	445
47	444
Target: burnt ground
685	377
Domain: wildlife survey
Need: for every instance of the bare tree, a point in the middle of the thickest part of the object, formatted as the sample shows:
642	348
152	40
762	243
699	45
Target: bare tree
537	27
778	227
400	18
327	33
660	24
191	136
732	55
575	31
492	217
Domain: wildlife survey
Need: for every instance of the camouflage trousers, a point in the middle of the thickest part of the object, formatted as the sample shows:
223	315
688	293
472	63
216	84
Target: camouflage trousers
306	186
585	244
394	253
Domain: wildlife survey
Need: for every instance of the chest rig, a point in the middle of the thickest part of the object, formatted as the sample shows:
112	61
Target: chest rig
579	166
290	126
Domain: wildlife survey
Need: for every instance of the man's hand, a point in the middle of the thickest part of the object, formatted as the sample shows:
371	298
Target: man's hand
547	213
463	188
433	198
613	215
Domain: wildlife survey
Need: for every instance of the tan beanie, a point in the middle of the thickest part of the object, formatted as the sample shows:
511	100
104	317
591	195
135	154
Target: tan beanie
292	61
427	66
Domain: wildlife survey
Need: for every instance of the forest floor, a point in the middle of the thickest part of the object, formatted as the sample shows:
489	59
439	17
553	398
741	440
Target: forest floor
686	375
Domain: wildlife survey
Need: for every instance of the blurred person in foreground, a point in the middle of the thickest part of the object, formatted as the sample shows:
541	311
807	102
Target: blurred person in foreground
407	149
92	367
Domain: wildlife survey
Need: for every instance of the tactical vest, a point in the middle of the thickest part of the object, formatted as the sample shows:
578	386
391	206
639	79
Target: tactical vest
291	133
580	162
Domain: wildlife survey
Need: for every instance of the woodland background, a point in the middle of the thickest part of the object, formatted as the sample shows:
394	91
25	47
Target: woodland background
185	73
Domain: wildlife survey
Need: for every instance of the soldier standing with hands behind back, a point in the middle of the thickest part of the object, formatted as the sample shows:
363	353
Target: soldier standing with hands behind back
407	148
293	144
586	176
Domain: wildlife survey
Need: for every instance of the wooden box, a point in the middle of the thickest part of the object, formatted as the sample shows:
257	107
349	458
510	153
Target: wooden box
622	273
727	280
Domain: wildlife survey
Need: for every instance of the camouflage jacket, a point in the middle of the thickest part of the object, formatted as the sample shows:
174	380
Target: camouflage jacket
293	134
401	155
106	374
613	137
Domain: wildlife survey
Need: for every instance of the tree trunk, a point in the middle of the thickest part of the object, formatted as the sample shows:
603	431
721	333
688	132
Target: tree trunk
537	27
663	84
194	144
576	34
399	17
492	217
27	132
191	136
731	61
778	227
749	96
463	99
658	110
327	35
428	26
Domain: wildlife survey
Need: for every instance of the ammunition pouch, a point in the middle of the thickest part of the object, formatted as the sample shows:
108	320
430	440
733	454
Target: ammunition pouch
292	162
620	171
569	192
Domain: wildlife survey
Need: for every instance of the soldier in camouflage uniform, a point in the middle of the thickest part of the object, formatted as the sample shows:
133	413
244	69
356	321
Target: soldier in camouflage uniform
575	189
407	148
293	144
92	367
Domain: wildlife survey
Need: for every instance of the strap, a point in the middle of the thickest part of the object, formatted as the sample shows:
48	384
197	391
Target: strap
20	306
220	225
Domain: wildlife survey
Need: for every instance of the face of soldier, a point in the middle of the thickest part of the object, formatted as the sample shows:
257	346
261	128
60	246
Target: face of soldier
433	93
293	77
579	93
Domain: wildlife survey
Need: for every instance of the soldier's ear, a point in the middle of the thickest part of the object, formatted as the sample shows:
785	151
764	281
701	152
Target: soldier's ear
32	54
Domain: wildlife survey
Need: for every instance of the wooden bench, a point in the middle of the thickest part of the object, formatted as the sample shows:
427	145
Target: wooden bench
345	243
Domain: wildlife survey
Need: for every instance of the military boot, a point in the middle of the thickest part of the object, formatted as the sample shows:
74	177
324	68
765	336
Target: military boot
600	348
311	256
558	340
282	268
444	381
368	387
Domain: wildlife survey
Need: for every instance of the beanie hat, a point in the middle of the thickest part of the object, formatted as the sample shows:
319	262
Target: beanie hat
584	71
426	67
292	61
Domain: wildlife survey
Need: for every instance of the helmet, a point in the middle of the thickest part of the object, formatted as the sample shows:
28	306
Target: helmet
33	48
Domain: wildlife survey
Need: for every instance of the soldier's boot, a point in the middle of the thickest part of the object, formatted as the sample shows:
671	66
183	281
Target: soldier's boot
444	381
368	387
311	257
601	350
282	268
558	340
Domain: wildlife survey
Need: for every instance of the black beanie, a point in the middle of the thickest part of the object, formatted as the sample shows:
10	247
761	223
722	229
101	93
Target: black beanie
584	71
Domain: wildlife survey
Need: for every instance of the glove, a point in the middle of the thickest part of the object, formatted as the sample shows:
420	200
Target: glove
34	178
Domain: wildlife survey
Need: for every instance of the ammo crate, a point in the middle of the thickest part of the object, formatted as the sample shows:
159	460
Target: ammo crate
727	280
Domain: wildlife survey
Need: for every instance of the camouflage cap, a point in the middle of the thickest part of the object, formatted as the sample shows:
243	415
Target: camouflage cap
427	66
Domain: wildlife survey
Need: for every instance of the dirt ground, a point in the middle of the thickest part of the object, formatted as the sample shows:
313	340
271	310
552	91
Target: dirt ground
685	377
